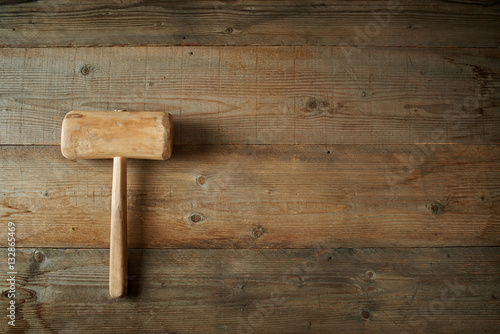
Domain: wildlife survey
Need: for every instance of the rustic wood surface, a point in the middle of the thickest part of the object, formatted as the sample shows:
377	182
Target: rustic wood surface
430	290
328	22
336	168
260	95
261	196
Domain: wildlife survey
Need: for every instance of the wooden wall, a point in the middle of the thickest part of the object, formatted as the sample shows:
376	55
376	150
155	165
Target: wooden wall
336	166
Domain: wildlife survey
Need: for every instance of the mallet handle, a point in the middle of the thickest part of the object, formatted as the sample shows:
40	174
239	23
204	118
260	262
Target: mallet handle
118	243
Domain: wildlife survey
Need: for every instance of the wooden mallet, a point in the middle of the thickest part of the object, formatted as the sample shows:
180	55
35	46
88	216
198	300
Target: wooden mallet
118	135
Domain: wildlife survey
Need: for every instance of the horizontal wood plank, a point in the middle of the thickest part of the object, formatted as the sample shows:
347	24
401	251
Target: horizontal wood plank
260	95
261	196
329	22
322	290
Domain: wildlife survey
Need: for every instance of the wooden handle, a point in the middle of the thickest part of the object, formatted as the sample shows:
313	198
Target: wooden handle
118	243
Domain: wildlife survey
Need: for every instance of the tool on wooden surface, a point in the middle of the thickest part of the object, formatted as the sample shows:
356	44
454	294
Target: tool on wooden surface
118	135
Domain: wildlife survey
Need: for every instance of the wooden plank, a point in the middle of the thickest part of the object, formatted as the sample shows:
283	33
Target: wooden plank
330	22
260	95
262	196
319	290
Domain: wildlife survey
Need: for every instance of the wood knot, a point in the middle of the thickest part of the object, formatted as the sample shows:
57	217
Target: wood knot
318	106
365	314
370	274
311	105
436	208
85	70
258	232
39	257
229	30
196	218
201	180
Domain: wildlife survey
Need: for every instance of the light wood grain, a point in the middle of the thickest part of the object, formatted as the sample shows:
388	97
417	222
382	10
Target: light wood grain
109	134
329	22
321	290
118	240
261	196
260	95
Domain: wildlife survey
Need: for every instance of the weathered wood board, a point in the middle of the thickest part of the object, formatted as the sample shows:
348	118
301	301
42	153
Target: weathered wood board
261	196
323	290
329	22
260	95
336	168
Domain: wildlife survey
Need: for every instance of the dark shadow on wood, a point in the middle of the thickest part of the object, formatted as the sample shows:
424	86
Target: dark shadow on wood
142	176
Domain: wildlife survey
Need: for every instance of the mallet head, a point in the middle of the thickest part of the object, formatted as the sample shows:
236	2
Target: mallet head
109	134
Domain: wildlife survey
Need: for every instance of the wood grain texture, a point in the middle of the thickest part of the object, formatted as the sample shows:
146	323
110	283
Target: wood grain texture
118	232
330	22
260	95
322	290
262	196
110	134
336	169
